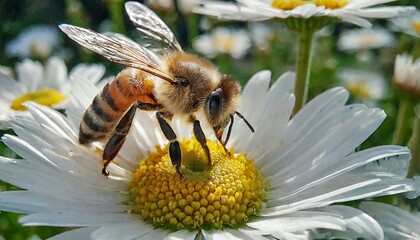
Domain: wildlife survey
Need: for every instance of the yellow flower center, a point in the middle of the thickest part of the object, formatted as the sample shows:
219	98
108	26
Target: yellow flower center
291	4
45	96
416	26
367	40
225	194
224	44
360	89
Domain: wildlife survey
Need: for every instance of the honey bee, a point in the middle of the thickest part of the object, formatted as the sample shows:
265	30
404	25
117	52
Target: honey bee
174	83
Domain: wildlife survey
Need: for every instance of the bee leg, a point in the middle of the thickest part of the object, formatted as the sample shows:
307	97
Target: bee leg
121	130
219	133
201	138
174	147
116	141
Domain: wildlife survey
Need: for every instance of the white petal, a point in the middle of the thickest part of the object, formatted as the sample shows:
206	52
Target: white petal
358	223
30	202
74	219
295	222
30	73
126	231
55	74
79	234
91	72
396	222
182	235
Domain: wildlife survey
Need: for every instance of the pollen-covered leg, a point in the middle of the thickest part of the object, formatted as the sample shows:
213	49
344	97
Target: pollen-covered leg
121	130
201	138
174	147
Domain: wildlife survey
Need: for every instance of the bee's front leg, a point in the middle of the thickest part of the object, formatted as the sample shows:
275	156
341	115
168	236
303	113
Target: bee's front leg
201	138
174	147
218	131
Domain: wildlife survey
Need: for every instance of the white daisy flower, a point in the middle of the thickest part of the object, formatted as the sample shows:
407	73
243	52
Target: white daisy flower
263	35
409	24
365	85
35	41
279	183
223	40
47	85
406	74
397	223
361	39
353	11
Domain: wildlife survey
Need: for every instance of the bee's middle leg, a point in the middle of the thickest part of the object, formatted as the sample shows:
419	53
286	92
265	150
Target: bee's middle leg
201	138
120	132
174	147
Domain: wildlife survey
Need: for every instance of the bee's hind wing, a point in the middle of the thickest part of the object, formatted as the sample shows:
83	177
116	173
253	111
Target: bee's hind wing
148	23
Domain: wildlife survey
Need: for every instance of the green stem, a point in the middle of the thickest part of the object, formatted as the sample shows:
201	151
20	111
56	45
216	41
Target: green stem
416	49
414	145
404	113
115	8
303	67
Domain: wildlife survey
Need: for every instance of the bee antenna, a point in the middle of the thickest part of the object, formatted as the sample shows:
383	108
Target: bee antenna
246	121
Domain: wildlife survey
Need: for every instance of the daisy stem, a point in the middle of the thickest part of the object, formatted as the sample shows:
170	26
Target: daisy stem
416	49
414	144
404	113
303	67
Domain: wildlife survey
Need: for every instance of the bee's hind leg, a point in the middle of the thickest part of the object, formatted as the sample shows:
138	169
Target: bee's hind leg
174	147
120	132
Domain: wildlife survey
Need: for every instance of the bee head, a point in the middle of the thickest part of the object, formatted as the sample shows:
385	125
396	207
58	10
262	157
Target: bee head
222	102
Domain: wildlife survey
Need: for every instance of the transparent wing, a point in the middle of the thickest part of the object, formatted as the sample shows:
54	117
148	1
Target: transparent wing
118	49
125	40
148	23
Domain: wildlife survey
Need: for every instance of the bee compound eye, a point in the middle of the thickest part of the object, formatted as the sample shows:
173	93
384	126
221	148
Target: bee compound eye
215	104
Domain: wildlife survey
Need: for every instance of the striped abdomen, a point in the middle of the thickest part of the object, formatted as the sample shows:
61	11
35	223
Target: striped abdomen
112	102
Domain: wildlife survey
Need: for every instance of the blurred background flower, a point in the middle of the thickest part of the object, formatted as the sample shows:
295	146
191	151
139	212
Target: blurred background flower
362	39
49	85
234	42
36	42
367	86
409	24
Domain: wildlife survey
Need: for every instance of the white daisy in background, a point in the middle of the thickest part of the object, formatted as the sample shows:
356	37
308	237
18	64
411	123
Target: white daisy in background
406	74
367	86
185	6
280	182
223	40
262	35
6	71
409	24
397	223
362	39
353	11
47	85
160	5
36	41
